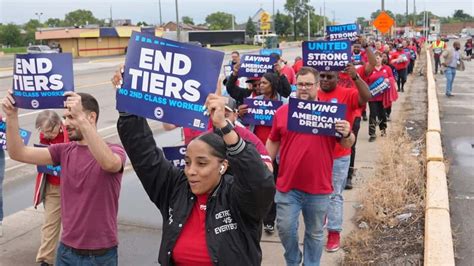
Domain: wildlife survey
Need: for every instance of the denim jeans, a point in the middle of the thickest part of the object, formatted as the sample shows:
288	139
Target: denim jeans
336	201
314	208
450	73
66	257
2	175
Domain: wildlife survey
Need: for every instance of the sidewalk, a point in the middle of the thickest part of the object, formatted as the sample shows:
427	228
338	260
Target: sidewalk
139	244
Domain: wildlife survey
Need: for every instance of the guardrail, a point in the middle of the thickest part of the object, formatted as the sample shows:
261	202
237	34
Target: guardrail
438	236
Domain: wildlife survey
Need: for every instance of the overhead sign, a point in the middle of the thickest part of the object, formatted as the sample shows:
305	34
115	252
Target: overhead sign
168	81
312	117
40	80
342	32
383	22
327	55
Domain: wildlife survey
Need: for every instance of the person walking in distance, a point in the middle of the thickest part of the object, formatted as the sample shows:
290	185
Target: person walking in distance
437	47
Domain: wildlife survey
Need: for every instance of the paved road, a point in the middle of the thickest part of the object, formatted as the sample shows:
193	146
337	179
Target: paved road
457	122
94	78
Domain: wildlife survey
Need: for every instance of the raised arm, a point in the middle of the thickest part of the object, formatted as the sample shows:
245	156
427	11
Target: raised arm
254	187
15	146
77	117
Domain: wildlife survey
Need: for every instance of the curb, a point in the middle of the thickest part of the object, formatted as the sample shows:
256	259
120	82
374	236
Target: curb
438	236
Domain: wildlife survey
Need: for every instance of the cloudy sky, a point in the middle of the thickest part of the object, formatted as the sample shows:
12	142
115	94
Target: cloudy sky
20	11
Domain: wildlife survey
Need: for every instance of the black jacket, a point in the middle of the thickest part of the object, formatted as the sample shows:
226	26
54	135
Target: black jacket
234	210
239	94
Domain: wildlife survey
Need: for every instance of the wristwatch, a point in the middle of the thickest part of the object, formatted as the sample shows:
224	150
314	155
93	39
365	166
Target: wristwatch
225	130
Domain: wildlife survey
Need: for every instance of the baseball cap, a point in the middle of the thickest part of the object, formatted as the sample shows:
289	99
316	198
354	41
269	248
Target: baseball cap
399	45
231	104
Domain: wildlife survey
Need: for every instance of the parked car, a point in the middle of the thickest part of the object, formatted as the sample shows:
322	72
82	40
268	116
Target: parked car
38	49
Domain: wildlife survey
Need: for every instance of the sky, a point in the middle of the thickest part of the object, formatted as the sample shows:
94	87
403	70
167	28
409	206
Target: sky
344	11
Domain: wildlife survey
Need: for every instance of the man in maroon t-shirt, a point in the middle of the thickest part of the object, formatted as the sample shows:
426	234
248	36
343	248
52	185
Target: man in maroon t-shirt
304	179
91	174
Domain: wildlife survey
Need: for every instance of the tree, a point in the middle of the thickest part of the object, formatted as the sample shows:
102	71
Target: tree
282	24
53	22
460	15
219	21
10	35
30	28
250	28
142	23
80	17
187	20
298	9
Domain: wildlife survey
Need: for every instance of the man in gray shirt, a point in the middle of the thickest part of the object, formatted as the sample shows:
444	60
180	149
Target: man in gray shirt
452	61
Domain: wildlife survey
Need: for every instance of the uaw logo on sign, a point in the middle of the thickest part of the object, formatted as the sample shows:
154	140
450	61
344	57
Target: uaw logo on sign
312	117
260	112
256	65
327	55
40	80
24	135
168	81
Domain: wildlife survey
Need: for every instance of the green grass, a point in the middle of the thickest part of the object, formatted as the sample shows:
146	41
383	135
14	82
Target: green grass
236	47
13	50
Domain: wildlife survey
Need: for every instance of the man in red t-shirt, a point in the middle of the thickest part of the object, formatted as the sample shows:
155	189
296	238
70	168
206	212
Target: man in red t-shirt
353	99
304	181
52	131
400	61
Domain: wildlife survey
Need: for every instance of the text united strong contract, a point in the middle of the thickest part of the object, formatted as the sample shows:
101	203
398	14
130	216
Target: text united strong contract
327	55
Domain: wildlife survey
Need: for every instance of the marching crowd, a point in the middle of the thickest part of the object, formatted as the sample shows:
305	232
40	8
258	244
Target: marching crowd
237	180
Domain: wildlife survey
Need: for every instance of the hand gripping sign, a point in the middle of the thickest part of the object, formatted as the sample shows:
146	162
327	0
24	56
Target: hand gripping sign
40	80
378	86
175	155
24	135
327	55
256	65
343	32
168	81
312	117
260	112
48	169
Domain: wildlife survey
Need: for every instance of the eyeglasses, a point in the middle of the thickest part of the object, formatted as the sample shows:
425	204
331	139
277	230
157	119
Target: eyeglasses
308	85
50	131
325	76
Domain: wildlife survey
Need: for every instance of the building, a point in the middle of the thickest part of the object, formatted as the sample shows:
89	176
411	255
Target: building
455	28
86	42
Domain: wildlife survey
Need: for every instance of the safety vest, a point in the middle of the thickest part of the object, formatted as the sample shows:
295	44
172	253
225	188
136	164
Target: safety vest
437	49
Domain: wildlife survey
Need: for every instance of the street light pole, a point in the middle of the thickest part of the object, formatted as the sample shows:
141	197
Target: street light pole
39	14
159	7
309	26
178	31
383	5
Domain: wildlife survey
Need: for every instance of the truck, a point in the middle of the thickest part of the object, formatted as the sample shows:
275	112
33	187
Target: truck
217	37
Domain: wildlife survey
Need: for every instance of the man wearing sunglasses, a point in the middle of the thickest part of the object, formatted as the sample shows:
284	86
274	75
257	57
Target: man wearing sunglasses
354	99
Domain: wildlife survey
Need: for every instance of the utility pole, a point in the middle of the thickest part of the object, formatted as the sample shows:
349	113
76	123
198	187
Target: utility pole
406	14
333	17
383	5
178	31
233	26
309	26
159	8
273	17
324	18
414	13
111	20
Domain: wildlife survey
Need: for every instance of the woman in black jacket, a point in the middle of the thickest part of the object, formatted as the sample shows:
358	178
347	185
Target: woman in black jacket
209	217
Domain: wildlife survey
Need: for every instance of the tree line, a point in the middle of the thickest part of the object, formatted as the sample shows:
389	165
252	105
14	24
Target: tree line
292	22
